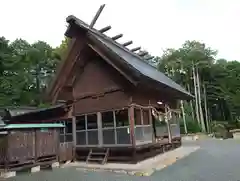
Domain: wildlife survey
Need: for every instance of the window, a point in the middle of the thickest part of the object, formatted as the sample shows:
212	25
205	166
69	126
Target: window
66	132
80	123
145	113
137	116
68	126
121	118
61	130
107	119
92	121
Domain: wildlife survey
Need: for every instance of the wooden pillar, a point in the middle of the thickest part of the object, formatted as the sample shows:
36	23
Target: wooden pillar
86	128
142	122
132	125
74	131
100	131
168	125
115	125
74	135
151	123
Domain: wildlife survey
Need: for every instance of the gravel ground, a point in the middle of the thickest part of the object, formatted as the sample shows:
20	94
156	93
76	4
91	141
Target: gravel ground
216	160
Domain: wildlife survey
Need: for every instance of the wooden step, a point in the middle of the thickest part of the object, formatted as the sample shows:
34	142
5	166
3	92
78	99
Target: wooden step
97	153
103	159
95	159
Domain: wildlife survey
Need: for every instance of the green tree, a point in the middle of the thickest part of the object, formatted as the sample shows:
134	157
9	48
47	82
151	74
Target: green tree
179	64
24	71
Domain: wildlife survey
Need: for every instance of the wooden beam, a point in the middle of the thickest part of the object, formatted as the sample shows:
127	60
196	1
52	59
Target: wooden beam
117	36
127	43
95	18
148	58
97	94
105	29
54	84
73	57
136	49
142	54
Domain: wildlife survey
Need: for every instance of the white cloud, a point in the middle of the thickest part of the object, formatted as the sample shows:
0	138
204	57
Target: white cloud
153	24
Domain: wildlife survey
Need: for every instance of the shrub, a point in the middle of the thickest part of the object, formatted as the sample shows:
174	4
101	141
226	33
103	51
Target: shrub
221	130
192	127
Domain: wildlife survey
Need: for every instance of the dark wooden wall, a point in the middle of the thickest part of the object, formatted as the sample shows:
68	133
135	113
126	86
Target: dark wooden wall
100	87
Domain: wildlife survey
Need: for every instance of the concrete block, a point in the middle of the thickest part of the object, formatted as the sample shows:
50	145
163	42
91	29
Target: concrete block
131	173
196	137
120	171
138	174
8	174
67	162
35	169
56	164
236	135
145	173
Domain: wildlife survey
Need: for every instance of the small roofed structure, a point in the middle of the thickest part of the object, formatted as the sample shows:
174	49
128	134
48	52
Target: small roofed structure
37	115
28	144
31	137
122	106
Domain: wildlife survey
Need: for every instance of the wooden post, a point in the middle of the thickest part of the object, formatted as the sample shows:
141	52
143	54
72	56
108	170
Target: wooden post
132	125
151	122
74	134
142	122
115	129
74	131
86	128
168	125
100	131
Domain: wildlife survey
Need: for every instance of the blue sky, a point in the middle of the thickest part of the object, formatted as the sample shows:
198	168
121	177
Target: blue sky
153	24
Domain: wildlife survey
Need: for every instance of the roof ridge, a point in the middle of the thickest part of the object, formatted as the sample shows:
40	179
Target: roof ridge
95	31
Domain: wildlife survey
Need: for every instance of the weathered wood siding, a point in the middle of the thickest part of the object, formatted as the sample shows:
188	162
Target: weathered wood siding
99	88
95	79
145	98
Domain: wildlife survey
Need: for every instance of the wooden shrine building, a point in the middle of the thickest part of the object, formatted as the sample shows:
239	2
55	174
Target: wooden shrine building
118	99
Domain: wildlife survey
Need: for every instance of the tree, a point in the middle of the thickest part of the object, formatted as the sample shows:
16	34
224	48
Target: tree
24	71
191	55
61	50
